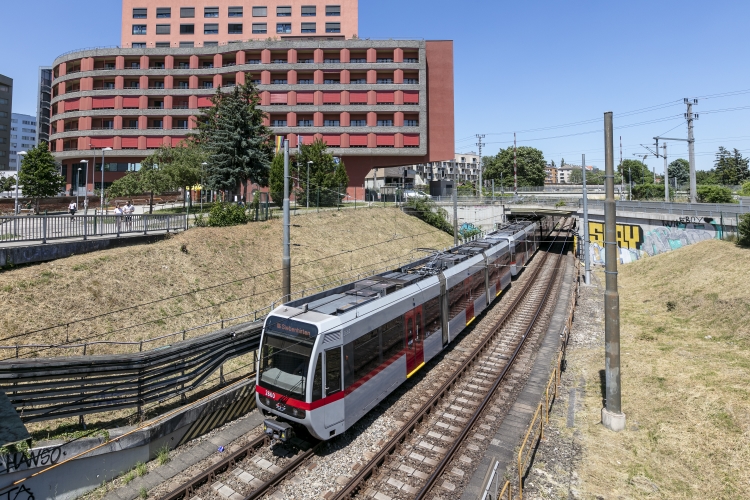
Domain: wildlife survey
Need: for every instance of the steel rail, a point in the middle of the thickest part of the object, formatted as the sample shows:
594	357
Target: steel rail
291	467
438	472
370	468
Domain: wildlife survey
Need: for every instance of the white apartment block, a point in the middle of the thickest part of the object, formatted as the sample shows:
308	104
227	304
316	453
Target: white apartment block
23	136
463	168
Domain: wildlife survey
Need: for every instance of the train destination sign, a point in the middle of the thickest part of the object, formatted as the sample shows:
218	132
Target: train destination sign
291	328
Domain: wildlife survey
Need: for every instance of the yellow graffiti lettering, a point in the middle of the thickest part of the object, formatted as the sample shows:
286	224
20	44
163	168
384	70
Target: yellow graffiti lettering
628	235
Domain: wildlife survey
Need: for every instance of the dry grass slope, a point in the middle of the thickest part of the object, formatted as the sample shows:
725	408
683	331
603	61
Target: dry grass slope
685	336
328	246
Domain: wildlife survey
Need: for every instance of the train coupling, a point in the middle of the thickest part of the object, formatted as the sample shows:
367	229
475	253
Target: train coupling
278	431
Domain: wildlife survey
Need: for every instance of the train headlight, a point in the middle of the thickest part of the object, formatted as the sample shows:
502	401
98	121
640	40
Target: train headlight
298	413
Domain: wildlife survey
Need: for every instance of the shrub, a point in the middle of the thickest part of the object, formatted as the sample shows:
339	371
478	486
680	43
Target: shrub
429	212
714	194
743	230
226	214
649	192
745	191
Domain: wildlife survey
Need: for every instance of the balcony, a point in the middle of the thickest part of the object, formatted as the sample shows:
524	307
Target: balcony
384	60
358	60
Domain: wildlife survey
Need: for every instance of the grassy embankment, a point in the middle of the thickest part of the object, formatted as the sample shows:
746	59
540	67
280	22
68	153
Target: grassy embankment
685	344
327	246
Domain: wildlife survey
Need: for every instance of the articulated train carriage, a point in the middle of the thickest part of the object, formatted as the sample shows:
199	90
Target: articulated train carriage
327	359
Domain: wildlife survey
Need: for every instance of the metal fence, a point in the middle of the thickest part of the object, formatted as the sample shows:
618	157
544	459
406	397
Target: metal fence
49	227
716	210
46	389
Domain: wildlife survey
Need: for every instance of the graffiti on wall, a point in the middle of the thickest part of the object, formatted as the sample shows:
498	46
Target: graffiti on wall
39	457
17	493
638	241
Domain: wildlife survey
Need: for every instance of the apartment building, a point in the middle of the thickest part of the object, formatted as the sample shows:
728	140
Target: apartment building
210	23
44	97
375	103
23	136
6	106
464	167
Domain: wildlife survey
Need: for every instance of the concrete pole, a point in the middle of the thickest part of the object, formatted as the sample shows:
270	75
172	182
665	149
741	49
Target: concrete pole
586	258
612	416
515	169
666	174
455	213
691	151
286	273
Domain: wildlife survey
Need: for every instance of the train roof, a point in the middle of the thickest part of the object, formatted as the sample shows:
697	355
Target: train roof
345	298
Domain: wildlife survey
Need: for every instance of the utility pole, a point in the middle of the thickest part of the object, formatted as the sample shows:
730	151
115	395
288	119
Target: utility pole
586	260
515	168
691	146
286	273
455	212
612	416
622	177
480	144
666	174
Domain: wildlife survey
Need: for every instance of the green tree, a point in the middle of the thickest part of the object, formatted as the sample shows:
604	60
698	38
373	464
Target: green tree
703	177
576	177
328	179
151	178
745	191
714	194
680	169
530	163
232	133
182	164
731	168
637	170
40	175
7	183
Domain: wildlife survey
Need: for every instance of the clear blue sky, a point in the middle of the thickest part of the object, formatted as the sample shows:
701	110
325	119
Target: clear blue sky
519	66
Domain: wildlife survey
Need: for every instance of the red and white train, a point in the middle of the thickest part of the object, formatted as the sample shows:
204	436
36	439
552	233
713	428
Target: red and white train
327	359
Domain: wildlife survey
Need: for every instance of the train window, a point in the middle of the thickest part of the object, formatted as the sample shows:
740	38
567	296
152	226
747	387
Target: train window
333	371
456	304
477	284
393	338
283	364
366	354
431	310
317	389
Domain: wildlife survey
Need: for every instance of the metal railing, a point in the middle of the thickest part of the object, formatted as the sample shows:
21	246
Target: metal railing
47	389
50	227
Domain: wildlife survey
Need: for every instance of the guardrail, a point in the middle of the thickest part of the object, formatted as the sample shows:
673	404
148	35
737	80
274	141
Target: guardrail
46	389
50	227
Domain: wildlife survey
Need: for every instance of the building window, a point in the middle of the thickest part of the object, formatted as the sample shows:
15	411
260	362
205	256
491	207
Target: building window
331	123
183	85
280	81
163	29
139	45
187	29
411	123
308	11
139	13
411	60
187	12
210	12
385	81
208	85
260	11
330	81
235	11
162	45
411	80
139	29
308	27
306	81
304	123
333	10
186	45
235	29
284	11
211	44
278	123
260	28
163	12
4	88
283	27
210	29
385	123
183	124
333	27
358	123
3	101
358	81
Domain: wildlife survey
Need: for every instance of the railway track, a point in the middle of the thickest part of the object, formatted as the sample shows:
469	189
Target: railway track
433	443
257	468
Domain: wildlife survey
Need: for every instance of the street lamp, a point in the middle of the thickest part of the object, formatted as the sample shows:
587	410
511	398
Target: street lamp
203	166
85	188
78	182
101	202
308	183
18	171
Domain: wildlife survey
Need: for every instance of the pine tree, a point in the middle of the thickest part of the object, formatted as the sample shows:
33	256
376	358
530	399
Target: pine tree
239	146
40	175
731	168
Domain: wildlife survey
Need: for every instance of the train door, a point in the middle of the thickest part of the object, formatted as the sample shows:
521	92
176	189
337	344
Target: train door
468	287
414	333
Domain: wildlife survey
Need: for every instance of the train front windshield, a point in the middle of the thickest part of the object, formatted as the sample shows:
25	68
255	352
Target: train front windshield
284	364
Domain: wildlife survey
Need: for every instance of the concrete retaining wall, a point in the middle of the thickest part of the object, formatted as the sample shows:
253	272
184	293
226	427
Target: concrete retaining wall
76	477
19	255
